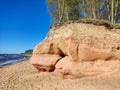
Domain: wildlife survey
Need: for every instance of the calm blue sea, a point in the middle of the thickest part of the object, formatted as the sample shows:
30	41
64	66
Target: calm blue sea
7	59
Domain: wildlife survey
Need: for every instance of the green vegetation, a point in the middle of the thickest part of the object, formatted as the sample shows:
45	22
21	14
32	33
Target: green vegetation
28	52
99	22
69	10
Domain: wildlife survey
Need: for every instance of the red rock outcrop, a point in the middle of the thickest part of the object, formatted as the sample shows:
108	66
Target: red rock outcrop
76	49
45	62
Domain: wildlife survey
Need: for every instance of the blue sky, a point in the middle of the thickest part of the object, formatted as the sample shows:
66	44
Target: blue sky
23	23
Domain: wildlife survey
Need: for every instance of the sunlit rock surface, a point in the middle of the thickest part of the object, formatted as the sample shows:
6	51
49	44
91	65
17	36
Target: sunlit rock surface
77	49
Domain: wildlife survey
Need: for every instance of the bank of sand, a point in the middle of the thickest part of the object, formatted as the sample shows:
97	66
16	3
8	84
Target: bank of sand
23	76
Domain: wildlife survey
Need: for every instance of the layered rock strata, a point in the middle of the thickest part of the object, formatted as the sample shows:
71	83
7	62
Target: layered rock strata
76	49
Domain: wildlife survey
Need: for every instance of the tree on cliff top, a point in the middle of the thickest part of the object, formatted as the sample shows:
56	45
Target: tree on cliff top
63	10
67	10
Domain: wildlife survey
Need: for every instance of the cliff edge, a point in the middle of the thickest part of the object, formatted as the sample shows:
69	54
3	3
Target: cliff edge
78	49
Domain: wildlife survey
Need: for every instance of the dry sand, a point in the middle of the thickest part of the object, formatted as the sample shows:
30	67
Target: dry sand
23	76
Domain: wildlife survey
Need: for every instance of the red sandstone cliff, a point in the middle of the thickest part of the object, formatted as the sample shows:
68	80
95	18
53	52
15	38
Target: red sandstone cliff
77	49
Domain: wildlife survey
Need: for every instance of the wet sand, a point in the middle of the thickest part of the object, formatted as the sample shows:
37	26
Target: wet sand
23	76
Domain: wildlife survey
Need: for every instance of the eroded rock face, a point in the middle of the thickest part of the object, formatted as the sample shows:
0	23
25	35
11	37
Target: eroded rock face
45	62
75	50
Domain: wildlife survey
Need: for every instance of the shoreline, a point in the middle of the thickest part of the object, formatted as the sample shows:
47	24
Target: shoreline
23	76
12	62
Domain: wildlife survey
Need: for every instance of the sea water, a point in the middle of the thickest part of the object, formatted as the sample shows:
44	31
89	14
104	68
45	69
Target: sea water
7	59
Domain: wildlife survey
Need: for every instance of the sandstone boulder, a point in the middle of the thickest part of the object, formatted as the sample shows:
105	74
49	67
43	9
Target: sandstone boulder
45	62
46	47
67	68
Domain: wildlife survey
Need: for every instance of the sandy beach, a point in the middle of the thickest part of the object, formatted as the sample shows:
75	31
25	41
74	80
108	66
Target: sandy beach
23	76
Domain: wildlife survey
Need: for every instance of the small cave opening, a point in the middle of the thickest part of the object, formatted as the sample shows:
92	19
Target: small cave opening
118	48
62	53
